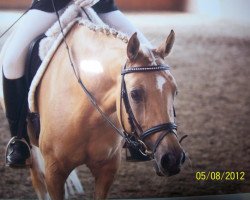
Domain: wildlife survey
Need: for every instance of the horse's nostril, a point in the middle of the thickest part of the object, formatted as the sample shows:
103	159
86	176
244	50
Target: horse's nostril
167	161
171	164
183	158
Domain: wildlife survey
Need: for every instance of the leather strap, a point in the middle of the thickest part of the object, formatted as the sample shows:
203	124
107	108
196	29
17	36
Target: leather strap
169	127
134	125
145	69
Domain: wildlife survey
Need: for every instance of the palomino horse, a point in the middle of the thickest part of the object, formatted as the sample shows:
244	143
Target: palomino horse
74	133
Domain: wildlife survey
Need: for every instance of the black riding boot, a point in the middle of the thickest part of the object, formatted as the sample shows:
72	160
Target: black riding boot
15	98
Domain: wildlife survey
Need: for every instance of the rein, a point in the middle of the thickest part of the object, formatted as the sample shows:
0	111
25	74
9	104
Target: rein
138	141
79	80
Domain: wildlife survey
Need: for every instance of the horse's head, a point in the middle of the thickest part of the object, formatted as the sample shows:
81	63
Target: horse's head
151	89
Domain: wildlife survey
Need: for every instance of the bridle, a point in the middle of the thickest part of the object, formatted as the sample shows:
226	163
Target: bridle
136	129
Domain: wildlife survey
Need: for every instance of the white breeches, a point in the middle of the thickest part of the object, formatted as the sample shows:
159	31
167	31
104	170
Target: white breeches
117	20
35	23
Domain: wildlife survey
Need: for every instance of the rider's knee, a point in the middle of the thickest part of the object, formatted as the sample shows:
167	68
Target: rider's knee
13	65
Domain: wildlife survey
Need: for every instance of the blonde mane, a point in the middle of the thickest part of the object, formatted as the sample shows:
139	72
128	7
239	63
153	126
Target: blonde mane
105	29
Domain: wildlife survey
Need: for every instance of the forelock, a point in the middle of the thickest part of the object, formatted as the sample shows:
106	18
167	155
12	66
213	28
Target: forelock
148	53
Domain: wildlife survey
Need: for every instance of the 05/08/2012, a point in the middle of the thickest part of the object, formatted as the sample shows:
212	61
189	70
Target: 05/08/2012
220	176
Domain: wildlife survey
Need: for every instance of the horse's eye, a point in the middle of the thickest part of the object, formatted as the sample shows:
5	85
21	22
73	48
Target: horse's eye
137	95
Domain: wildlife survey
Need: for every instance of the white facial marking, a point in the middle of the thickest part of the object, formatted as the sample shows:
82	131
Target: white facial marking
160	82
91	66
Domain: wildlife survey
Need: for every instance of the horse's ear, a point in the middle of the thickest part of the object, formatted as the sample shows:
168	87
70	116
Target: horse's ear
133	47
165	48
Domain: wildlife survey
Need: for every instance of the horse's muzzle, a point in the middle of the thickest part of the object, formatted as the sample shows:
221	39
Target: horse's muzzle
169	164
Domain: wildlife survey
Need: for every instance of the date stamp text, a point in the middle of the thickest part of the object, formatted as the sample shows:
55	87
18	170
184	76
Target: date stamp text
220	176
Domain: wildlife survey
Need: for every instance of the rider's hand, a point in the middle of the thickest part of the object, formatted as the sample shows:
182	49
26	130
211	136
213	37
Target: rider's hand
85	3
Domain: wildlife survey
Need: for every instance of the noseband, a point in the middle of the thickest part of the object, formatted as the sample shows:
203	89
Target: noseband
136	130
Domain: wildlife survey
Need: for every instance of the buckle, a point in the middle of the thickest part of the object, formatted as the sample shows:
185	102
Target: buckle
136	151
144	150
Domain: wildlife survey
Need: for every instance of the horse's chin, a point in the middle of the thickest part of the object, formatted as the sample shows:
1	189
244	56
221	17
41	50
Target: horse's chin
157	169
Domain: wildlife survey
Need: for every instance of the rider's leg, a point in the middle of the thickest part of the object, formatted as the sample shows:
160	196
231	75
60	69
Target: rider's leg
117	20
109	13
33	24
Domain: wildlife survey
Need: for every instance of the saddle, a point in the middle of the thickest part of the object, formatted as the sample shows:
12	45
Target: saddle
33	63
33	60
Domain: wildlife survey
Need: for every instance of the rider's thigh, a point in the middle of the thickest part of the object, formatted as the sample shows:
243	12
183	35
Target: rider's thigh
117	20
34	23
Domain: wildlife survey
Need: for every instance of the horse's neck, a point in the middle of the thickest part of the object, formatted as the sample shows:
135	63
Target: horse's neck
100	59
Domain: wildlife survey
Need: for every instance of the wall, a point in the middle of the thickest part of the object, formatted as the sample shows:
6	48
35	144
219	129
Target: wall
149	5
141	5
15	4
237	10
